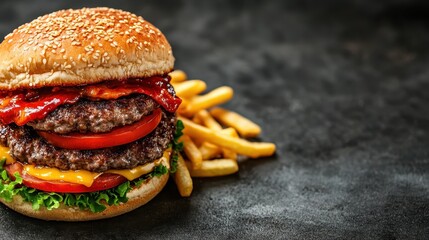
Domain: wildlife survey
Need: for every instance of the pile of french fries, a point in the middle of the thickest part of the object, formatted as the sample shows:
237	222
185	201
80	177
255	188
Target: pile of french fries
211	150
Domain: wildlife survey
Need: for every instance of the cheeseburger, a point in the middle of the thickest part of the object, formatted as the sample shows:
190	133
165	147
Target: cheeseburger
87	115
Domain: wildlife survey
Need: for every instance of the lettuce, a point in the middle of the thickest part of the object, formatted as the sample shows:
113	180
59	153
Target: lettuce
177	146
94	201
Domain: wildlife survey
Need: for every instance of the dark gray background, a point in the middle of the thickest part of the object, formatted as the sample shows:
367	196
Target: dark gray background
340	87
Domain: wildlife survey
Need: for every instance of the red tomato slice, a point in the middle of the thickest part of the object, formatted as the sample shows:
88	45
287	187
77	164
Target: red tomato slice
102	182
116	137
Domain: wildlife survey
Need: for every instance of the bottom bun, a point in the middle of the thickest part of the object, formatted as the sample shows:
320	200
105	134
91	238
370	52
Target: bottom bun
136	198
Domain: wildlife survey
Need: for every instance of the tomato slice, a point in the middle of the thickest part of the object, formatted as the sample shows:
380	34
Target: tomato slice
102	182
116	137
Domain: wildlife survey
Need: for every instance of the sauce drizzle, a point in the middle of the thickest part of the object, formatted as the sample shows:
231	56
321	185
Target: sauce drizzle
24	106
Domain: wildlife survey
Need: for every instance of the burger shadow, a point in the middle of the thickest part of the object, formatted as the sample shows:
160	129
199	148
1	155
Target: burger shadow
168	210
165	210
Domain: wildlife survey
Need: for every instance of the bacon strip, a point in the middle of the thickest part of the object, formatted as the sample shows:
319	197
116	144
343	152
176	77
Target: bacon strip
25	106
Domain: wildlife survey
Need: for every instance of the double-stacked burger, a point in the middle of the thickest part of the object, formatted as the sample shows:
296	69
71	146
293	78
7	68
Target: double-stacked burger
87	114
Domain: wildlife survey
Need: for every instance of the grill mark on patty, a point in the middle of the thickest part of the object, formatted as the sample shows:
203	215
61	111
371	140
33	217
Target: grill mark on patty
28	147
96	116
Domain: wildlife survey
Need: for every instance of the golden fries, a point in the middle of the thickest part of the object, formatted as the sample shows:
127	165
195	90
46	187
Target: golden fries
197	120
210	149
182	178
218	96
214	168
205	117
192	152
241	146
226	152
244	126
189	88
178	76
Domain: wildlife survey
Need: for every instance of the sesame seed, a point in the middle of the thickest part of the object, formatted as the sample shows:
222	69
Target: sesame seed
88	30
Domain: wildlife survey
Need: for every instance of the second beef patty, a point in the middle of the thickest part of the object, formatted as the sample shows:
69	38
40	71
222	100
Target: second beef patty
96	116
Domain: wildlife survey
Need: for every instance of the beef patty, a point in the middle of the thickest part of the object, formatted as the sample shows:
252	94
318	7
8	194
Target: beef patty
28	147
96	116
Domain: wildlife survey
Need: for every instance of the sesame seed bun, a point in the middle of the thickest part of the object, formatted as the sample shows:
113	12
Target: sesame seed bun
136	198
84	46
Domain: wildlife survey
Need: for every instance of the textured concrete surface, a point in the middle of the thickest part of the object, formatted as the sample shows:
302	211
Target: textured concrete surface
339	86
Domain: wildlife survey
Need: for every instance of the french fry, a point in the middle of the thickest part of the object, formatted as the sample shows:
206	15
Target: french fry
226	152
229	154
192	152
217	96
178	76
205	117
209	151
244	126
214	168
197	120
198	142
189	88
211	123
230	132
182	178
208	120
183	105
240	146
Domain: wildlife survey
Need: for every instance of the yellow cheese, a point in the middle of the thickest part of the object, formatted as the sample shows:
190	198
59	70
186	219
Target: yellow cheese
4	153
53	174
86	177
136	172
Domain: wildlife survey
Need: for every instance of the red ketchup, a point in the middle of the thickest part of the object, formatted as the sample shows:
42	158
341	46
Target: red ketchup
24	106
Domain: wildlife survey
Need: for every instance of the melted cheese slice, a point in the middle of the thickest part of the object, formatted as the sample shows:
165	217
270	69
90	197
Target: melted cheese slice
82	176
53	174
4	154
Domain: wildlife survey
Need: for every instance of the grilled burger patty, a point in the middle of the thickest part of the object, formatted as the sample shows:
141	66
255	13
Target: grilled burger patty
26	146
96	116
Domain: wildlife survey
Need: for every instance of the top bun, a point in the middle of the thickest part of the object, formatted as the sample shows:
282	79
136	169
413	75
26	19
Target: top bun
84	46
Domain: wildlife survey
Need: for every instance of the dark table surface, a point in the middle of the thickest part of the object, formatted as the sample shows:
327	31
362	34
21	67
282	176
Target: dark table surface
340	86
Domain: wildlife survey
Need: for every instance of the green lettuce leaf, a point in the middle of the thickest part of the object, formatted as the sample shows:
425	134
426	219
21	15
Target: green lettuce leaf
177	146
94	201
